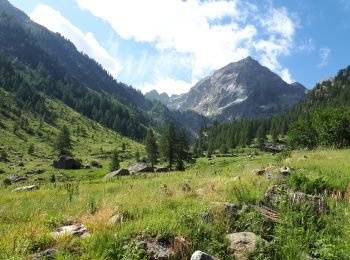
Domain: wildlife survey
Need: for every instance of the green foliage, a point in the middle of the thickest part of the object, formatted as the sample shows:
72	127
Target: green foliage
63	143
302	134
151	147
168	144
31	149
115	163
3	156
72	189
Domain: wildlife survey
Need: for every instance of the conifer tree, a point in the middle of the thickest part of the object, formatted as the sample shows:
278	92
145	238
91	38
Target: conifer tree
168	144
115	164
151	147
64	142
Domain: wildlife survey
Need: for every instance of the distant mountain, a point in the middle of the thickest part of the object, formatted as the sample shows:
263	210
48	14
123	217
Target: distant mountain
53	65
163	97
242	89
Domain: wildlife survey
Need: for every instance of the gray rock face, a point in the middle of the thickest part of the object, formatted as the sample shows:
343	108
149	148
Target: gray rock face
140	167
67	162
25	188
47	254
120	172
242	89
242	244
199	255
154	95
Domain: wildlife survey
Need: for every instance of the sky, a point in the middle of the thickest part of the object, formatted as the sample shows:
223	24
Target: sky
169	45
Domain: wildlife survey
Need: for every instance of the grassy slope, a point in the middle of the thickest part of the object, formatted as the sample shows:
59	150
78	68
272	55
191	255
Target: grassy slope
157	205
93	143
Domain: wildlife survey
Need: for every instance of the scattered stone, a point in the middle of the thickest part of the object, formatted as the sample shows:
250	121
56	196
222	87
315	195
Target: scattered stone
164	169
47	254
25	188
73	230
67	162
272	169
271	176
34	172
140	167
120	172
283	194
258	172
237	178
285	170
184	187
13	178
199	255
242	244
116	220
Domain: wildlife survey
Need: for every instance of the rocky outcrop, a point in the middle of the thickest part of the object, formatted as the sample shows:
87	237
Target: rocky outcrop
140	167
78	230
67	162
278	194
164	169
13	178
48	254
120	172
241	244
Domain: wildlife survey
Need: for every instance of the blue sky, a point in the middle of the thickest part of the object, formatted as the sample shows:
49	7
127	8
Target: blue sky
169	45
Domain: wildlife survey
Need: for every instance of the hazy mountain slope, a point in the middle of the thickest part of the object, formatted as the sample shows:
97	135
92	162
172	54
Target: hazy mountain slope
242	89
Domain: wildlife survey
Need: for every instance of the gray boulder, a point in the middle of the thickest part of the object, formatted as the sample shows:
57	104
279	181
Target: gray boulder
120	172
164	169
73	230
47	254
25	188
67	162
13	178
241	244
199	255
140	167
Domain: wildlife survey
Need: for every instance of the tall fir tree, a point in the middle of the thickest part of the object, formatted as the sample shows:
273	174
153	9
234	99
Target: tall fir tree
64	142
182	149
151	147
115	163
168	144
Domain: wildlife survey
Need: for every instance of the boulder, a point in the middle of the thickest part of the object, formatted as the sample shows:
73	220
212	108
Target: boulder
120	172
67	162
95	164
199	255
285	170
241	244
13	178
78	230
164	169
258	172
47	254
115	220
25	188
283	194
140	167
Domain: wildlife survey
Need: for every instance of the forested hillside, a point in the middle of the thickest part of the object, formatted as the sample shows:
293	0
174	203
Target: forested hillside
332	93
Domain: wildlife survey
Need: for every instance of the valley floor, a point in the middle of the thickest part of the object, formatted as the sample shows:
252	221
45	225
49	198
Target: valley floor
180	206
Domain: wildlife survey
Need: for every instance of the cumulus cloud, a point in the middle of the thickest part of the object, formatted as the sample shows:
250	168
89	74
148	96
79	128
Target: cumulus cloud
324	55
211	33
87	43
168	85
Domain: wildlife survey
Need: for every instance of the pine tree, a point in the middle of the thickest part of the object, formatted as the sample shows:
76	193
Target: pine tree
64	143
182	149
114	165
168	144
151	147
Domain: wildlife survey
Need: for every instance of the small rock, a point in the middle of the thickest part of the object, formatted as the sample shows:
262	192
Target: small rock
47	254
258	172
285	170
242	244
74	230
13	178
120	172
164	169
237	178
199	255
116	220
25	188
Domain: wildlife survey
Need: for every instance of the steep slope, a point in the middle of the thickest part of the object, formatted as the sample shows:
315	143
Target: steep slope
243	89
52	65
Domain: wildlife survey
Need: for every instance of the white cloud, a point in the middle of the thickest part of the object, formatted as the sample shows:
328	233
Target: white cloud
87	43
324	55
209	34
168	85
